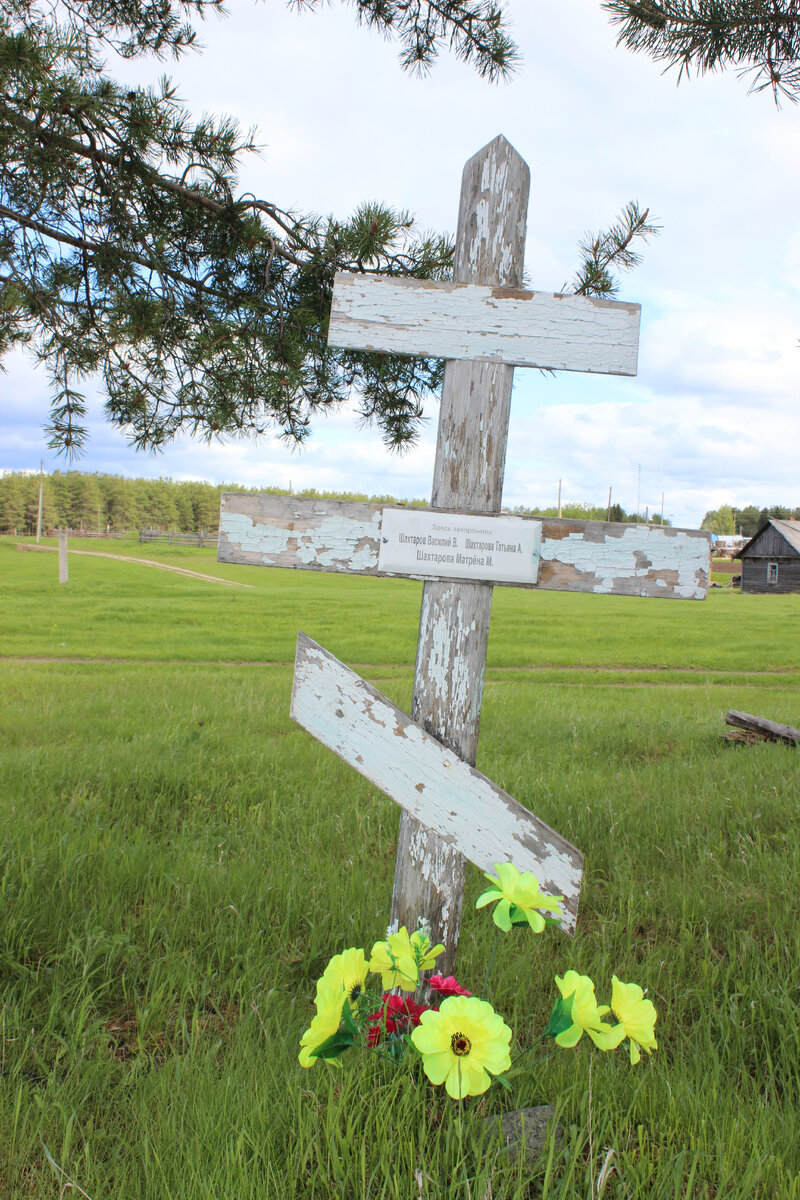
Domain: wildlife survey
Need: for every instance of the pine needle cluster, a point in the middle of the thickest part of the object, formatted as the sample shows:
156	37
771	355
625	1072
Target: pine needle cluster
606	253
759	38
129	252
476	31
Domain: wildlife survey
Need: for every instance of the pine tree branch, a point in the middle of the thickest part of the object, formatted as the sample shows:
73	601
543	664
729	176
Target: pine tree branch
610	251
147	174
757	37
126	253
95	248
477	31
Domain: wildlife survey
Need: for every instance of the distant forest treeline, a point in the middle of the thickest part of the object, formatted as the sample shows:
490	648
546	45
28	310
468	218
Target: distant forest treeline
728	520
111	503
593	512
91	502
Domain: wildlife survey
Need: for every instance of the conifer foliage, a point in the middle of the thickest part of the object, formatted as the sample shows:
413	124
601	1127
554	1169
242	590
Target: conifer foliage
760	38
129	253
476	31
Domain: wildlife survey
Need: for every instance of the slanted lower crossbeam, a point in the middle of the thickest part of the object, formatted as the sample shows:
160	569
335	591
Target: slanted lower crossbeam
466	810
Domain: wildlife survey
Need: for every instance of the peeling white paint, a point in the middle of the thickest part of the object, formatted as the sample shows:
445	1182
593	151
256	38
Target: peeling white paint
638	560
484	324
450	677
467	811
431	863
634	552
263	539
331	543
335	541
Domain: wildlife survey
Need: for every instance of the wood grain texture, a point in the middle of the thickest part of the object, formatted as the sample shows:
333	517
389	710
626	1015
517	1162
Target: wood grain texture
469	813
484	324
770	730
467	476
576	556
291	531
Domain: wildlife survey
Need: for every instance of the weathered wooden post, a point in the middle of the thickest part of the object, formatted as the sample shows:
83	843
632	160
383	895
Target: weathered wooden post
63	560
468	476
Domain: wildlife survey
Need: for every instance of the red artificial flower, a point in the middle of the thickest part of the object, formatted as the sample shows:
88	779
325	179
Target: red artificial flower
448	987
397	1014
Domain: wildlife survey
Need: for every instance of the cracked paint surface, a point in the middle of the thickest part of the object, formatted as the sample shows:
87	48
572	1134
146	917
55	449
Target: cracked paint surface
335	541
467	811
484	323
588	556
672	559
449	683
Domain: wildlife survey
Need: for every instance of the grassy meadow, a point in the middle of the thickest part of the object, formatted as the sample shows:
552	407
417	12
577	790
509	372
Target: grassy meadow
178	862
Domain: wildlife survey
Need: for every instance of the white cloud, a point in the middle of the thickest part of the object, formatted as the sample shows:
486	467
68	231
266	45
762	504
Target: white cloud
717	346
698	452
713	414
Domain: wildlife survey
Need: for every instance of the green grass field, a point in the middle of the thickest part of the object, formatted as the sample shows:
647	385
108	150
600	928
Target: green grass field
179	861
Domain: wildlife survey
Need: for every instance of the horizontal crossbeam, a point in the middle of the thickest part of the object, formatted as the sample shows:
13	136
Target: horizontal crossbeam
573	556
487	324
467	810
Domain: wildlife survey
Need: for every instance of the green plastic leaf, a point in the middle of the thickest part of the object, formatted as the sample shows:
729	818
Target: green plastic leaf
335	1045
349	1019
560	1017
488	896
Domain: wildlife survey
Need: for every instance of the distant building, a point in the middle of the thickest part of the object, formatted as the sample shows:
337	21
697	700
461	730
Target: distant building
725	545
771	559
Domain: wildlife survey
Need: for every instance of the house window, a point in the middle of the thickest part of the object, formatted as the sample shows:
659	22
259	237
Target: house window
772	572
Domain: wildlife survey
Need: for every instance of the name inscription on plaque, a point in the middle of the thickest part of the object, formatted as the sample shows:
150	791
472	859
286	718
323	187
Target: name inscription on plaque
453	546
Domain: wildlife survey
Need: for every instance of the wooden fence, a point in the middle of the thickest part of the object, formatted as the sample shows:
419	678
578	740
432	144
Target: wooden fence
205	537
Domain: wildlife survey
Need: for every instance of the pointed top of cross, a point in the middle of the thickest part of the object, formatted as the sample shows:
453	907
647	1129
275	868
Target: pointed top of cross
492	217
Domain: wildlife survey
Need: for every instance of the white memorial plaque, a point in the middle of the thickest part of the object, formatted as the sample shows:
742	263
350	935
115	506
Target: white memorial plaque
453	546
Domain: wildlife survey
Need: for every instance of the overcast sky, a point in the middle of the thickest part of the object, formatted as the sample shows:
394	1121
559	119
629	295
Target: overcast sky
713	414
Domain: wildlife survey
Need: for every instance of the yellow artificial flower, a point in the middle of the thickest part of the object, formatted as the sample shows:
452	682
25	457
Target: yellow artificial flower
520	896
345	975
425	954
324	1025
395	961
462	1044
580	1006
636	1015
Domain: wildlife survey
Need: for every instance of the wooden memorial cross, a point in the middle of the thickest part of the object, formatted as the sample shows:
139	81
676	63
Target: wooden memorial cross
484	324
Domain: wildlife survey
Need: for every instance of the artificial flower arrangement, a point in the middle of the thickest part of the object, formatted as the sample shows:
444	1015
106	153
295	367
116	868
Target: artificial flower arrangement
462	1042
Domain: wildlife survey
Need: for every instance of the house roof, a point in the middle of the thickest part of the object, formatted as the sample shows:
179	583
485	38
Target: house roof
787	529
790	530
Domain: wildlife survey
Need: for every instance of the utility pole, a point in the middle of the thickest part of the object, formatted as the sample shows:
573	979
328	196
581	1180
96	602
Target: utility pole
638	491
559	497
608	513
662	508
41	488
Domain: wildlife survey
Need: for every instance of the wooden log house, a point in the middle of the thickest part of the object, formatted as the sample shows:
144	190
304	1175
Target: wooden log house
771	559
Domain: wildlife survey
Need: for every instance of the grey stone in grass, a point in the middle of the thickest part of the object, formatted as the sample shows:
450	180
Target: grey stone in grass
525	1128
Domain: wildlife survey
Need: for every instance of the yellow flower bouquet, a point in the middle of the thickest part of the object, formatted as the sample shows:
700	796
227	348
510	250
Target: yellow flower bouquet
459	1039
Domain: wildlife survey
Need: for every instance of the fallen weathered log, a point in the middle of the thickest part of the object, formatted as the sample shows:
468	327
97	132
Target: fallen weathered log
760	727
